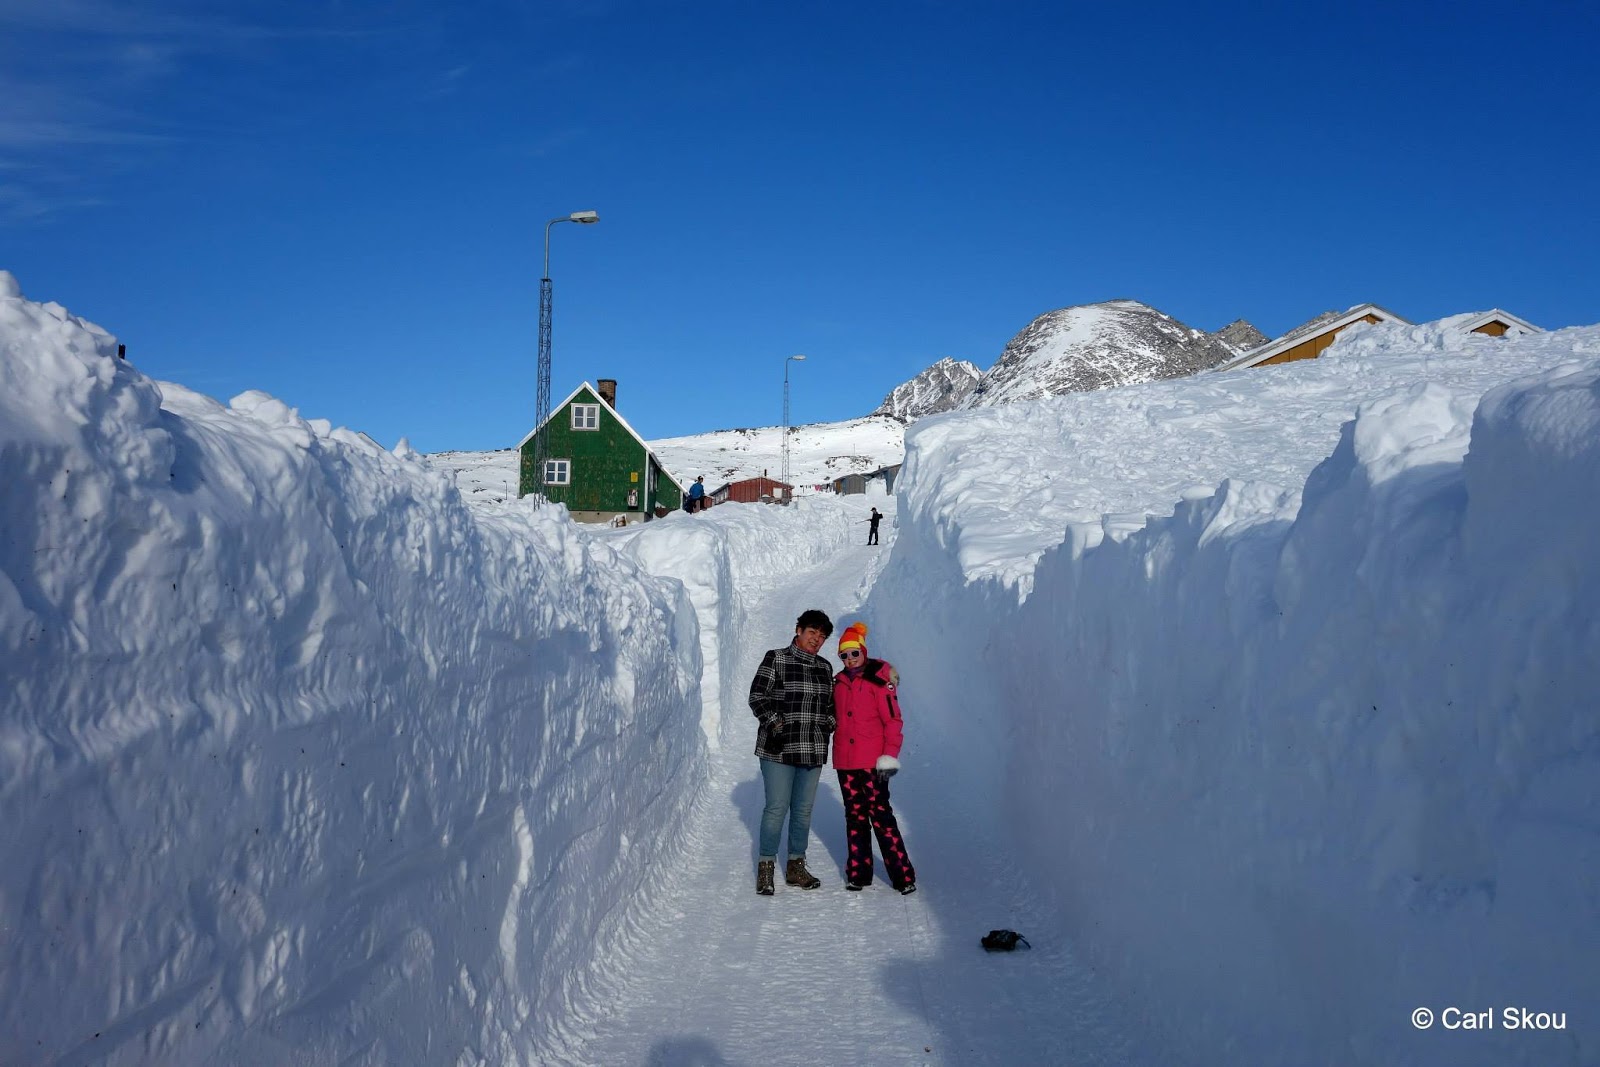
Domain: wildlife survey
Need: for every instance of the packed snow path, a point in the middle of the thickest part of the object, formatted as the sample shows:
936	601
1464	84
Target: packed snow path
716	975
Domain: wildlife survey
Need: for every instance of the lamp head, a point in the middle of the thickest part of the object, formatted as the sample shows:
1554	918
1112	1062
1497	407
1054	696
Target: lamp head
802	358
585	217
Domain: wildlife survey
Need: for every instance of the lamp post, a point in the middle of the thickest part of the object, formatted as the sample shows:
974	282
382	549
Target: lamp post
543	414
785	476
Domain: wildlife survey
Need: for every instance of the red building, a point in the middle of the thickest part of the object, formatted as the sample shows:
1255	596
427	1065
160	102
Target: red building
761	490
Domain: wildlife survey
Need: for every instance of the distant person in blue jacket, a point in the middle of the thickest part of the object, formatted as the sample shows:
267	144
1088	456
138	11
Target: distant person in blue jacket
697	494
872	530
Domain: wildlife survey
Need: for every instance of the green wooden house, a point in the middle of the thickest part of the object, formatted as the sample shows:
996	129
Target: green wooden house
597	465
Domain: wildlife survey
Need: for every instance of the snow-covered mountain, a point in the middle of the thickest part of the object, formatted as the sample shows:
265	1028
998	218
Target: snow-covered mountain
941	387
818	453
1095	346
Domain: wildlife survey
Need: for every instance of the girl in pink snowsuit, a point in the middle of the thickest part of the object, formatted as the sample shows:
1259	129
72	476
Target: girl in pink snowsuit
866	751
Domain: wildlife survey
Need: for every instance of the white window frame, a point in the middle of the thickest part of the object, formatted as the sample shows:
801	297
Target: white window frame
586	416
563	469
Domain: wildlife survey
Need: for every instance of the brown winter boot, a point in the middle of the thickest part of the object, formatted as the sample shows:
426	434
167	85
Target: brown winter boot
764	872
798	875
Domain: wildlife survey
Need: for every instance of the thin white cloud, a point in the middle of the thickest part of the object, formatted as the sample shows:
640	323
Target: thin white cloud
23	135
83	79
31	202
89	17
78	77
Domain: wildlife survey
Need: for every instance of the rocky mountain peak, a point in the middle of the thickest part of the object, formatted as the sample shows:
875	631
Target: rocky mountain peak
942	387
1241	336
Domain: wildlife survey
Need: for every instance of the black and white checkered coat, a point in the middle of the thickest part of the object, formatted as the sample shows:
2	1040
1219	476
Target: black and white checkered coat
792	698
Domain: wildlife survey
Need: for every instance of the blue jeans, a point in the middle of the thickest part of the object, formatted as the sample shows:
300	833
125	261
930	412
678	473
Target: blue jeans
790	791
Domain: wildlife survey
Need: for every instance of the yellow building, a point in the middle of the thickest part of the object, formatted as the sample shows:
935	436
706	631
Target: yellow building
1309	340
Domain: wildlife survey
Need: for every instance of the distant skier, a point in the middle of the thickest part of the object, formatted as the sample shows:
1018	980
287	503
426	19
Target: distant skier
697	494
872	530
866	754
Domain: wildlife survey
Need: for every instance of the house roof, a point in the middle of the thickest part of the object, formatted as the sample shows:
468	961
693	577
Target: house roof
745	481
869	475
556	409
1471	320
1327	322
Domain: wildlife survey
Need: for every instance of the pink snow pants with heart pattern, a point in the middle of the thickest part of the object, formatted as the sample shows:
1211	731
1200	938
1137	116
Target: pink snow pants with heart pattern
867	812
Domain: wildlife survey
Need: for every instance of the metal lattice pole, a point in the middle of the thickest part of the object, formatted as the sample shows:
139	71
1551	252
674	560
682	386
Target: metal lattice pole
784	476
542	436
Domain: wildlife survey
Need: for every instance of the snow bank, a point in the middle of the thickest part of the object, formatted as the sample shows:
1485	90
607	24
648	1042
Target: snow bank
998	486
1311	747
299	756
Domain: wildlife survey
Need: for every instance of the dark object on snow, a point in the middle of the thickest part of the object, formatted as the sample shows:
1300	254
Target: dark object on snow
1003	941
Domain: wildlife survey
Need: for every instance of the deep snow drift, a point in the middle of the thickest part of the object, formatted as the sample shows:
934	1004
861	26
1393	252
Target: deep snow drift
299	756
1313	748
1270	690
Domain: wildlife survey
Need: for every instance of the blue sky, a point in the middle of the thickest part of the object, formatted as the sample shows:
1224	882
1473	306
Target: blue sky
344	204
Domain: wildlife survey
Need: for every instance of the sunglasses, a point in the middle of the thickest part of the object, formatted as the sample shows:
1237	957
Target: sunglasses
854	653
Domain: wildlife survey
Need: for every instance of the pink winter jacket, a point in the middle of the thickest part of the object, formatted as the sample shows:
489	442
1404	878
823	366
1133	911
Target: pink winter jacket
868	712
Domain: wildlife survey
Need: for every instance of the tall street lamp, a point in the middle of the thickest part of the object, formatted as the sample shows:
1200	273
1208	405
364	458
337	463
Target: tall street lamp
791	359
543	414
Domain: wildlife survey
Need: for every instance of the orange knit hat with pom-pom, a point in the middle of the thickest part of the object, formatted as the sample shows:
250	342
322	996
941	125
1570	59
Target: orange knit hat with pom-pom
854	636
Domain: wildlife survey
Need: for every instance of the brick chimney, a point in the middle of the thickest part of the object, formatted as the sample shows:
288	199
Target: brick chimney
608	390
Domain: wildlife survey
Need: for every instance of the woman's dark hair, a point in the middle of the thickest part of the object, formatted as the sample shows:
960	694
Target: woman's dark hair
815	620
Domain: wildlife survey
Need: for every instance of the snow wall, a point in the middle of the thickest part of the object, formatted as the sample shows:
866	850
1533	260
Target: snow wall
300	758
1294	763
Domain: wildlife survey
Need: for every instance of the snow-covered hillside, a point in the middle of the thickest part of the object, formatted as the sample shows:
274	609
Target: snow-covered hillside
818	452
1095	346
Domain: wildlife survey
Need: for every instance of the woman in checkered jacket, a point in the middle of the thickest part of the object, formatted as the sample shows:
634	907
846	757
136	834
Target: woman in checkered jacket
792	699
